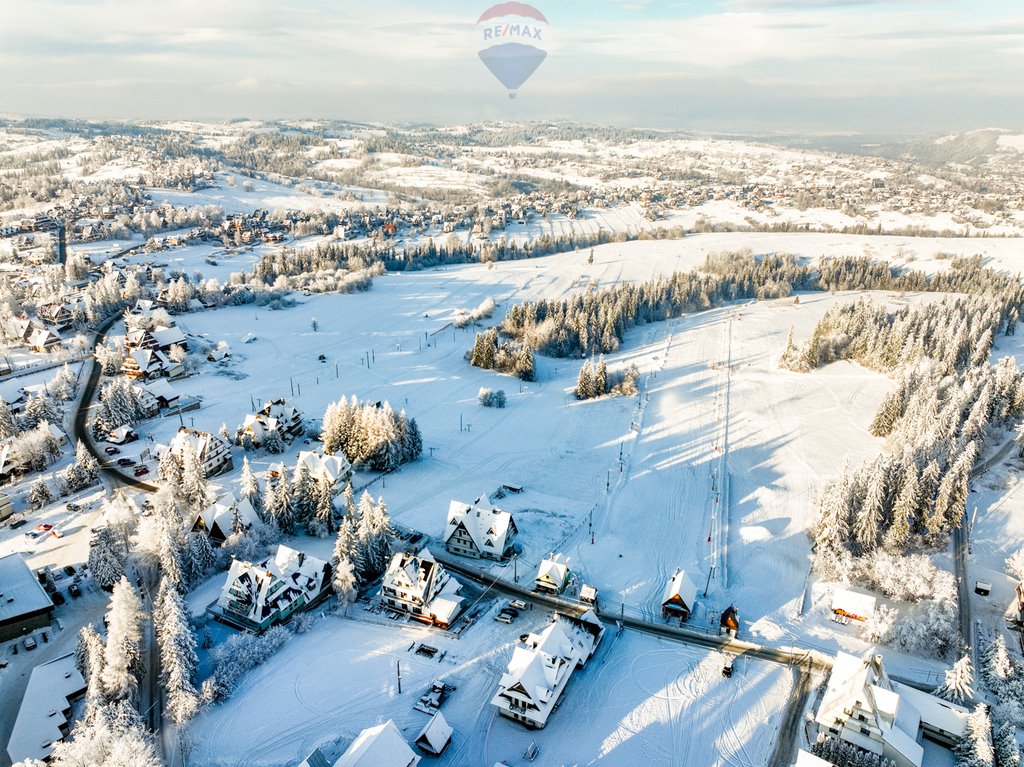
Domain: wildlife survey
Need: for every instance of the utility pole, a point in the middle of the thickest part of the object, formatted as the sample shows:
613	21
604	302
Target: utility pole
398	668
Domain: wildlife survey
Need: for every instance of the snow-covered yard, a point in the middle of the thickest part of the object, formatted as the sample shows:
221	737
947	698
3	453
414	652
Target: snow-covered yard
639	700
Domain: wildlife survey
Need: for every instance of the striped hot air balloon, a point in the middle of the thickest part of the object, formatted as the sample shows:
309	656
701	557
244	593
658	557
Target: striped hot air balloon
512	37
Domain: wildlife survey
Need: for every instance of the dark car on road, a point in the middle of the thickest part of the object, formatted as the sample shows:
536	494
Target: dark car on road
141	471
74	591
125	462
111	450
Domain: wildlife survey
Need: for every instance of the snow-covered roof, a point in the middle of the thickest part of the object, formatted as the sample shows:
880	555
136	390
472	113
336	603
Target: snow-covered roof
20	591
680	586
807	759
489	527
380	746
554	569
42	709
257	592
315	759
165	337
335	467
222	512
588	593
934	711
853	603
435	736
863	684
161	389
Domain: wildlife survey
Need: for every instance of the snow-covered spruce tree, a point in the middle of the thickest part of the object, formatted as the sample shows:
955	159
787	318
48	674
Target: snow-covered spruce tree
178	659
195	489
249	487
1007	751
323	511
585	381
197	558
39	494
112	736
122	660
346	546
89	662
303	498
169	551
958	684
1015	564
366	529
997	668
344	582
171	469
278	503
273	443
106	558
975	748
7	427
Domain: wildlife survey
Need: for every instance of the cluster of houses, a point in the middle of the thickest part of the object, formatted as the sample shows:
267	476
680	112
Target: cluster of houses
276	417
148	352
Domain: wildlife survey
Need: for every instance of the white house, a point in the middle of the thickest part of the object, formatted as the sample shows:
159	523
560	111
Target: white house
862	706
541	667
335	468
46	708
419	586
218	519
479	530
258	596
553	574
435	735
213	452
380	746
679	597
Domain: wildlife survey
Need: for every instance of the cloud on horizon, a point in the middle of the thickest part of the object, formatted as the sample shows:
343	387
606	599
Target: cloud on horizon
794	65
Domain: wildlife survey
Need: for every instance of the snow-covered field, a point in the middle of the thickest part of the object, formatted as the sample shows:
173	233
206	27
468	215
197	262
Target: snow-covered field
639	700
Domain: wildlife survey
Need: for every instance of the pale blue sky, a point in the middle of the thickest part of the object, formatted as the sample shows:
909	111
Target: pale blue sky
925	66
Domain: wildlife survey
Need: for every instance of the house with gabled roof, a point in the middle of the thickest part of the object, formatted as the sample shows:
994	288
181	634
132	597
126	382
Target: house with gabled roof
864	707
542	665
334	468
480	531
380	746
419	586
219	519
679	597
213	452
553	574
258	596
274	416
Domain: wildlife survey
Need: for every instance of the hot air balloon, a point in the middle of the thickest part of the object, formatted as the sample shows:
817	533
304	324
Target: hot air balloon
513	36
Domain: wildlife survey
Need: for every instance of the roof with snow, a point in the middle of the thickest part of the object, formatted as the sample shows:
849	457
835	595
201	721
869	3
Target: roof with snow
853	604
45	709
336	468
863	685
315	759
680	587
20	591
259	593
380	746
807	759
554	571
435	736
935	712
218	518
490	528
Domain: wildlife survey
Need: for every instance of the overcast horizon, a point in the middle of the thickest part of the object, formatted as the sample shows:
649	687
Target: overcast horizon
728	66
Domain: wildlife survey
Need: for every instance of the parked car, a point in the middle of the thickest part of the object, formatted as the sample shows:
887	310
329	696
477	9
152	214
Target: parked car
58	598
111	450
74	591
69	569
18	523
518	604
503	617
73	507
141	471
125	462
30	643
38	531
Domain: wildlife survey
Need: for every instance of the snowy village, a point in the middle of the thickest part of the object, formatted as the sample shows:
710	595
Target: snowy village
503	438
